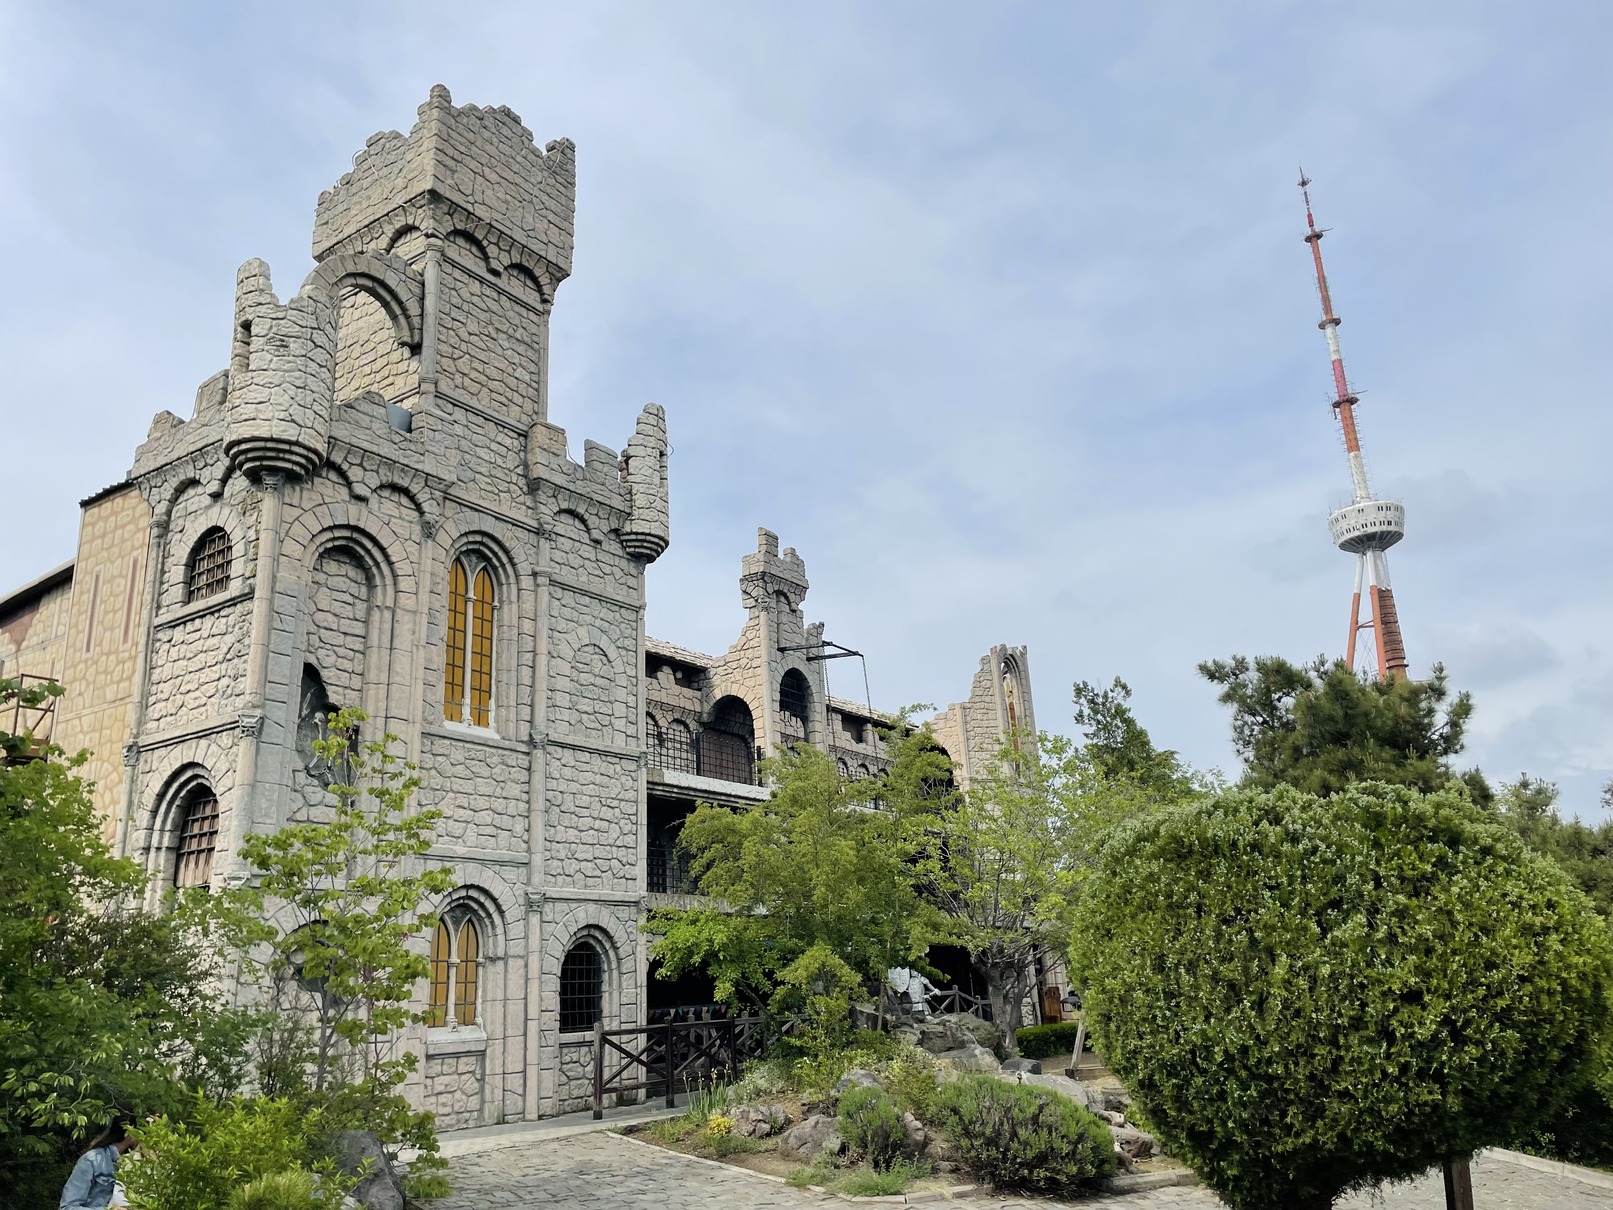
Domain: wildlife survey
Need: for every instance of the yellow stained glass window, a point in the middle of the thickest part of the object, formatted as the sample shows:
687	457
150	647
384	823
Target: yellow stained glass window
453	694
481	649
467	966
441	966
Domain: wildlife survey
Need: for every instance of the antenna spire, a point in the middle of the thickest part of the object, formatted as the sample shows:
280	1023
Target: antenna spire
1367	527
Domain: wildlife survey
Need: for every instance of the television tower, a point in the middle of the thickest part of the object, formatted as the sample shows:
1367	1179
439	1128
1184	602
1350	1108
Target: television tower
1366	527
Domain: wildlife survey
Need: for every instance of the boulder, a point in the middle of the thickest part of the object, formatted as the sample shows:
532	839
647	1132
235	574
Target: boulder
914	1137
807	1140
981	1033
1082	1094
1113	1118
1133	1142
360	1152
969	1058
954	1031
1026	1066
759	1121
857	1077
1114	1098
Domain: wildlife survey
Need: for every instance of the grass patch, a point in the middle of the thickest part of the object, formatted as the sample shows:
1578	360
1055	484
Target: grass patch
860	1181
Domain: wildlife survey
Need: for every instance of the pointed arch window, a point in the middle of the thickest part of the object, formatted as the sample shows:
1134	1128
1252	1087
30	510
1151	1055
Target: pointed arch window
468	677
198	837
456	960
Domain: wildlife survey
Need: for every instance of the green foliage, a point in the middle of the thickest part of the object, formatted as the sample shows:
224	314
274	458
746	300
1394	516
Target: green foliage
871	1123
817	1073
1049	1041
913	1079
104	1007
353	892
201	1162
1321	728
863	1182
1308	996
1022	1137
1119	747
1005	862
818	989
812	869
291	1190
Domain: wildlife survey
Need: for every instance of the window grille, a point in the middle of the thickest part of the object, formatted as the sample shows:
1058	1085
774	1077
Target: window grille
198	836
845	772
672	747
726	757
793	697
209	570
468	669
582	985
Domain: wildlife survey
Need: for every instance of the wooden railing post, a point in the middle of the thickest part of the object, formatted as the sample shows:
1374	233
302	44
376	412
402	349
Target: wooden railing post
669	1066
733	1050
599	1069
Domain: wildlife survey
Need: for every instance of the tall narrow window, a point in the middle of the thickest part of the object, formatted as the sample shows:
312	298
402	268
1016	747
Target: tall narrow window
208	571
198	836
468	674
456	957
582	986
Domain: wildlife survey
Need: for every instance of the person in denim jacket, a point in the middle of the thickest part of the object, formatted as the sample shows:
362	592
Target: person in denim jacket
94	1182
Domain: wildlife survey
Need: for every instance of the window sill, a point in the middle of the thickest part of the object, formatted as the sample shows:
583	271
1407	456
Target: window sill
176	615
466	733
455	1040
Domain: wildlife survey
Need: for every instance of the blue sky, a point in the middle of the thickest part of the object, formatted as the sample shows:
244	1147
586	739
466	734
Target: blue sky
998	313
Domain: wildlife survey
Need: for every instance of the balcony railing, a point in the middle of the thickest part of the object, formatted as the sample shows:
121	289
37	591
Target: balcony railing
19	719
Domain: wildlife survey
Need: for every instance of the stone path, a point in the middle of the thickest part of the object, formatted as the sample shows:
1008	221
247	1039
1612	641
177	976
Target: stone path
603	1172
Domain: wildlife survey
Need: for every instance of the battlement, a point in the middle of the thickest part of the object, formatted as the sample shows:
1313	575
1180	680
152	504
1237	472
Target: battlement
483	160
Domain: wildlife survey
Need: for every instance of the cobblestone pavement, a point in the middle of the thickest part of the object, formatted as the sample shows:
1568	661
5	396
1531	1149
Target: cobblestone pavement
604	1172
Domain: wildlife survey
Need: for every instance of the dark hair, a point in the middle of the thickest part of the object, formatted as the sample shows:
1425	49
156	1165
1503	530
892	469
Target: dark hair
115	1132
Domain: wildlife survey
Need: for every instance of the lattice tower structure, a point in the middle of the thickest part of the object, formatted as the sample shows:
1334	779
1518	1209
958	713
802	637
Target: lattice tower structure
1366	527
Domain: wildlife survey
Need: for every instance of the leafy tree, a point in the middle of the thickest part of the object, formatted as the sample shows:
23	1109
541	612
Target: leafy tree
1309	996
1119	747
104	1008
1005	861
335	909
817	869
1320	727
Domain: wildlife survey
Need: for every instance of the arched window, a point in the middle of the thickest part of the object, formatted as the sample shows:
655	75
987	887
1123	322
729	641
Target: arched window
582	987
468	680
793	700
671	747
728	743
198	837
207	573
843	769
456	957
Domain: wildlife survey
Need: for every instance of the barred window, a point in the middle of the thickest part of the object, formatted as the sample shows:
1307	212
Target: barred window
671	747
198	837
468	675
456	955
208	572
582	987
728	743
793	699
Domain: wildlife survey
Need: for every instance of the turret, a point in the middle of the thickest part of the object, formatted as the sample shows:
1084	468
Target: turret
649	527
282	378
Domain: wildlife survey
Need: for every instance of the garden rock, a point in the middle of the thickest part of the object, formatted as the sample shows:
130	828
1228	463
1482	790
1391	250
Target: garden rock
359	1151
914	1137
954	1031
1114	1098
817	1135
759	1121
969	1058
857	1077
1113	1118
1026	1066
1078	1092
1135	1143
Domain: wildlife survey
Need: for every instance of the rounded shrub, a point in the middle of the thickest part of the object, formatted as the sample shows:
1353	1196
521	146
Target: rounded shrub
1308	996
871	1123
1047	1041
1022	1137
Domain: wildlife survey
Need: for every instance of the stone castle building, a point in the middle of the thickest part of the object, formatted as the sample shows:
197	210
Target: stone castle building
371	507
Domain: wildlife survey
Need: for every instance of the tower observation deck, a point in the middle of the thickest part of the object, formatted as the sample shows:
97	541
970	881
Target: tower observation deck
1366	527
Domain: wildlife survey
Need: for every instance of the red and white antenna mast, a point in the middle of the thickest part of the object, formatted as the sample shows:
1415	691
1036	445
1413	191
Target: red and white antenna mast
1366	527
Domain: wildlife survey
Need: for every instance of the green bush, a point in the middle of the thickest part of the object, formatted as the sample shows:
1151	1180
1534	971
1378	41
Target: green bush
871	1123
1022	1137
200	1164
1312	996
293	1190
911	1077
1048	1041
863	1183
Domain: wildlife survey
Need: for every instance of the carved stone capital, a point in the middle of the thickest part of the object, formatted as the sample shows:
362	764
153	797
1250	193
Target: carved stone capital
428	526
538	739
131	753
250	724
534	899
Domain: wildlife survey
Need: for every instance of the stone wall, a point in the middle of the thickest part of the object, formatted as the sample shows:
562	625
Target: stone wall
368	355
453	1088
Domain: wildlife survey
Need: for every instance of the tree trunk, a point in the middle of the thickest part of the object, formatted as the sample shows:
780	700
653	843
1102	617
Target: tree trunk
1005	988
